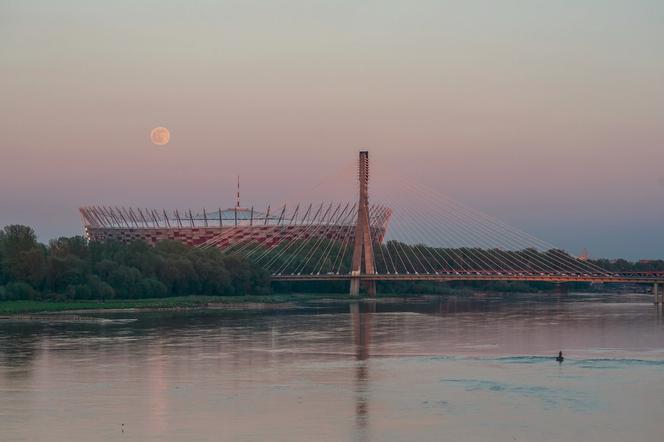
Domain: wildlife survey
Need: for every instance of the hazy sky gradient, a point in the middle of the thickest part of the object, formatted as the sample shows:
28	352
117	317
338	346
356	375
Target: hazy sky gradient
546	114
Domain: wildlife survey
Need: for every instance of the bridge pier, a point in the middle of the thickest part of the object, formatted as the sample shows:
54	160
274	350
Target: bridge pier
363	245
655	293
355	283
561	288
354	286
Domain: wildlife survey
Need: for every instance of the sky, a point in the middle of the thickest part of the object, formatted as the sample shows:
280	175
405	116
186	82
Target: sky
548	115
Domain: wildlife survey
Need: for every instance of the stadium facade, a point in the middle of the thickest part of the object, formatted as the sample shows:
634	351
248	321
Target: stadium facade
224	228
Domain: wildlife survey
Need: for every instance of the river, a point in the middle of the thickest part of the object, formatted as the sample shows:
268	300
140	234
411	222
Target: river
447	368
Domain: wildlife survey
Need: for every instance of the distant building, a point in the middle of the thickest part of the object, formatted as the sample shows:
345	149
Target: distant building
584	256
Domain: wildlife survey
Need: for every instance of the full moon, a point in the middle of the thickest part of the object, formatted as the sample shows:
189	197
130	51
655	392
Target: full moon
160	136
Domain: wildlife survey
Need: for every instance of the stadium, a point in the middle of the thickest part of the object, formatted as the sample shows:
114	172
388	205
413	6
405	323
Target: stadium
229	227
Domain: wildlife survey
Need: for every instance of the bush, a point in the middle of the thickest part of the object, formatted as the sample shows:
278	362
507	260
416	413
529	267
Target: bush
100	289
79	291
15	291
151	288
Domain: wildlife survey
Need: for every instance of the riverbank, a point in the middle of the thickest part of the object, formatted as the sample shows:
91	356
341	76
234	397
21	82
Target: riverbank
174	303
241	302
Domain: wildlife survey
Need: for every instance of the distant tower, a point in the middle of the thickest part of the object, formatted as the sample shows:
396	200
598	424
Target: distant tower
584	255
363	246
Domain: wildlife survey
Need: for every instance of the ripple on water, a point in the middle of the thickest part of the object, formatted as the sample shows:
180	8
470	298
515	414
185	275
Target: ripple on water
603	364
597	363
549	397
525	359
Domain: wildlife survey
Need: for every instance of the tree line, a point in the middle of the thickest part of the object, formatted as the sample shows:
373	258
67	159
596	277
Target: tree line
622	265
73	268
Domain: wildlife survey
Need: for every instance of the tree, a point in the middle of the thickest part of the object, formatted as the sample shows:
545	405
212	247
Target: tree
63	246
63	271
28	266
16	238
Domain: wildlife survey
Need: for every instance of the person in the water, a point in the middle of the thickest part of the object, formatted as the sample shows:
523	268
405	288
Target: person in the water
560	357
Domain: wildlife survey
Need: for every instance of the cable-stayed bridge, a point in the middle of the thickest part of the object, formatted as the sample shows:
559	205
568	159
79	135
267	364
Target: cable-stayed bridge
427	237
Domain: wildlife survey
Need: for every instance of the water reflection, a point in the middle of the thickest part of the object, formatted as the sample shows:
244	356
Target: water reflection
157	390
381	370
362	318
19	346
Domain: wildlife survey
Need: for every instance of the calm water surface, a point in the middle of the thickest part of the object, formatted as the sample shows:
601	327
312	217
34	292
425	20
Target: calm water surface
443	369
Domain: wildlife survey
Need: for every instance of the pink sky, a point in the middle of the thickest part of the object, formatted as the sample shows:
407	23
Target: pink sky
548	115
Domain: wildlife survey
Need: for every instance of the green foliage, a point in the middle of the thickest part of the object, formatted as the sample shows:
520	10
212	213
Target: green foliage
72	268
17	238
19	290
621	265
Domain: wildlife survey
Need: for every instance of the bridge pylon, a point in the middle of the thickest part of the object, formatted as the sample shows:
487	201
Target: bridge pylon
363	262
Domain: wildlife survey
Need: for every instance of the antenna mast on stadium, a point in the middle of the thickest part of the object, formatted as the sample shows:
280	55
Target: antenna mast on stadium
237	198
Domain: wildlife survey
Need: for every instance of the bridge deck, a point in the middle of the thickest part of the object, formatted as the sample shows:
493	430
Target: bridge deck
638	278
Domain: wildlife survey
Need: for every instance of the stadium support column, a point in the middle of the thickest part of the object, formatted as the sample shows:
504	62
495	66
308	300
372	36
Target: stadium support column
363	246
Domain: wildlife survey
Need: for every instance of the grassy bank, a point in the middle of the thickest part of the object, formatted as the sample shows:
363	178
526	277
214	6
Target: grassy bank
19	307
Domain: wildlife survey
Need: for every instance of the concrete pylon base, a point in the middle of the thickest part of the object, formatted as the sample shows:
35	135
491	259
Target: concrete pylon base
355	287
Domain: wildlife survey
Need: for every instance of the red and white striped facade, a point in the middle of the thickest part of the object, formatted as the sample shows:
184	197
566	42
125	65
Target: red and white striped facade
223	228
